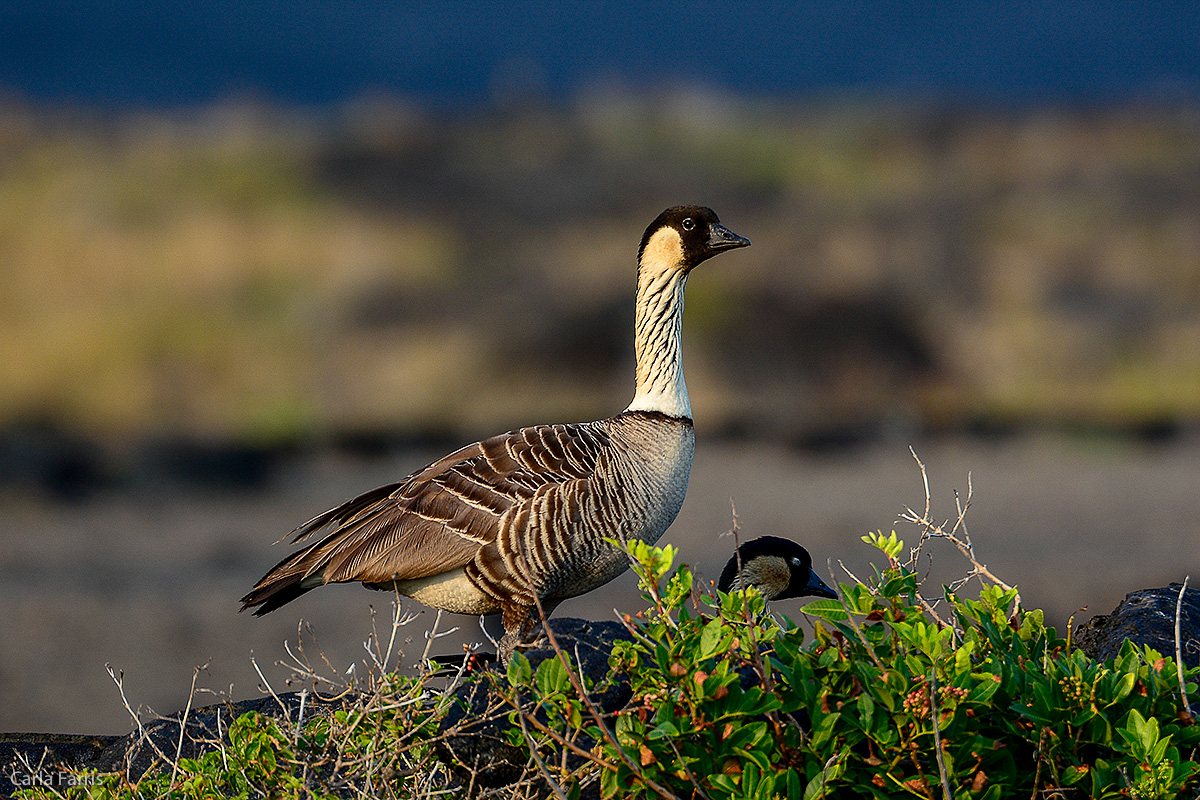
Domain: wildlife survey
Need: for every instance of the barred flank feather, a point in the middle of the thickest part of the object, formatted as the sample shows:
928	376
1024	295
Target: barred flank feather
524	514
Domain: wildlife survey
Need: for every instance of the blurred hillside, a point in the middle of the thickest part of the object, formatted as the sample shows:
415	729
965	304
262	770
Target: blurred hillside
250	278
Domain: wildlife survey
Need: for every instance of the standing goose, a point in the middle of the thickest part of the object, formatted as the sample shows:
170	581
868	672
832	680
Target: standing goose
778	568
523	514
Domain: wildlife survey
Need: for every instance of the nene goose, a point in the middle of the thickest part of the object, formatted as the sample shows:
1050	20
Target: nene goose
779	568
524	514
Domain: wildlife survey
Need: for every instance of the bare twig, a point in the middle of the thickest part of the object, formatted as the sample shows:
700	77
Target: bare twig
661	791
558	739
733	531
947	793
1187	708
930	529
537	759
762	668
845	569
633	631
688	770
1128	784
266	683
118	677
183	722
833	759
143	736
858	631
1037	773
429	637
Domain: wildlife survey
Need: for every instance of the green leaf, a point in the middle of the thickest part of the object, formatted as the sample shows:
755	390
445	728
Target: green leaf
1124	687
664	729
985	689
552	677
823	729
519	671
825	608
889	545
1141	734
710	638
793	783
822	784
1073	775
754	757
866	709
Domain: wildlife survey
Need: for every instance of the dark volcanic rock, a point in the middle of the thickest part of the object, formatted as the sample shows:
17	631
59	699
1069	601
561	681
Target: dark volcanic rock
1145	617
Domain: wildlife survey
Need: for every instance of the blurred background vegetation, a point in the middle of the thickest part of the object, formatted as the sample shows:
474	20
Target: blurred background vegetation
246	277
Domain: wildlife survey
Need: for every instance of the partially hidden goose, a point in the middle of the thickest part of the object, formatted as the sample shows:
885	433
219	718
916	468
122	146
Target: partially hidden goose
779	568
523	514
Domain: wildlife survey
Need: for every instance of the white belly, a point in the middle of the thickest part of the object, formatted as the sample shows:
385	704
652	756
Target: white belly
450	591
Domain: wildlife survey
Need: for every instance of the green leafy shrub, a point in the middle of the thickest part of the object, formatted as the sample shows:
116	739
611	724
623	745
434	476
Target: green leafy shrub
892	696
887	700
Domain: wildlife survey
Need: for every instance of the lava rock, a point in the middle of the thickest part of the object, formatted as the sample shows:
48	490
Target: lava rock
1145	617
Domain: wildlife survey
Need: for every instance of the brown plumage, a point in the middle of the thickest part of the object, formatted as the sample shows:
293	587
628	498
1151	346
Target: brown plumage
525	513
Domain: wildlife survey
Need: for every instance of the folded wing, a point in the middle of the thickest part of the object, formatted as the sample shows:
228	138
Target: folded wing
436	519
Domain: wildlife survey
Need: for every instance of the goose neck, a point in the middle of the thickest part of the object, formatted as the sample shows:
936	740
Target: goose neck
658	345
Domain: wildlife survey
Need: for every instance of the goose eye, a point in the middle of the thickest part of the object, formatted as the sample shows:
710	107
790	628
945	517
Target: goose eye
688	224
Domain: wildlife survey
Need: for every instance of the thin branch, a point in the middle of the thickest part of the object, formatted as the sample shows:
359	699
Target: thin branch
633	631
691	776
282	706
1037	773
1187	708
933	530
183	723
429	637
858	631
947	793
143	735
737	547
537	759
559	739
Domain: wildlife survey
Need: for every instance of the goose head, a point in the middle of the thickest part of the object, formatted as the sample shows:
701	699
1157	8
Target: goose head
682	237
778	568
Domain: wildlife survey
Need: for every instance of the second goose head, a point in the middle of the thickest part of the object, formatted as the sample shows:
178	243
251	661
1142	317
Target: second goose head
779	568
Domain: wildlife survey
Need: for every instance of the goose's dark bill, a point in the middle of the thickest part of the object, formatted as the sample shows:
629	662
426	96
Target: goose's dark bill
814	587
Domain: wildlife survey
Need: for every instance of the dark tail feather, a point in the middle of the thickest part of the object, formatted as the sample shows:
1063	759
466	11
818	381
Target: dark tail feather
281	585
284	582
268	598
